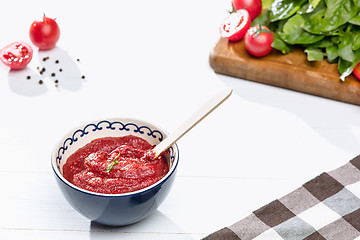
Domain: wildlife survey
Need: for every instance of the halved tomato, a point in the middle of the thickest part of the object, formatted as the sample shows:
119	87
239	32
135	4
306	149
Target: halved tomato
16	55
235	25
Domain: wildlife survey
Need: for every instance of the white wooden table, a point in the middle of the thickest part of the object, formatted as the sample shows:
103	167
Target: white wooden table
149	60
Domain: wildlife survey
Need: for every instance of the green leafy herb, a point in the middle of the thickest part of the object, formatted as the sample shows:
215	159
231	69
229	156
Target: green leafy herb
356	37
314	54
313	20
339	12
293	33
266	3
263	19
355	20
280	45
345	47
346	68
332	53
314	3
111	165
282	9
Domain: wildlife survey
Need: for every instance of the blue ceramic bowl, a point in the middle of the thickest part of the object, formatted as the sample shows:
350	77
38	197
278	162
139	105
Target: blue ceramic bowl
113	209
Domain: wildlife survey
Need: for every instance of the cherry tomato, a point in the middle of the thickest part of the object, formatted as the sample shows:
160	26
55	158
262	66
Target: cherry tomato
258	40
253	6
356	71
44	34
235	25
16	55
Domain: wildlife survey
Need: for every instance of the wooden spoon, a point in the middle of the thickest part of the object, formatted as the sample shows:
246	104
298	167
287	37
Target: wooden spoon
199	115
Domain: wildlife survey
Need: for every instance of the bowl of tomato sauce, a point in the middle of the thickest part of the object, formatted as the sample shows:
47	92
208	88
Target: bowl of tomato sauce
104	170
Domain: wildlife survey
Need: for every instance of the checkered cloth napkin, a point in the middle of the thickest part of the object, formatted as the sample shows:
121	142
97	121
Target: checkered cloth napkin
327	207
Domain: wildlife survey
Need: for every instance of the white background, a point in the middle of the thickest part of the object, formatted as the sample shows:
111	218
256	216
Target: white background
149	60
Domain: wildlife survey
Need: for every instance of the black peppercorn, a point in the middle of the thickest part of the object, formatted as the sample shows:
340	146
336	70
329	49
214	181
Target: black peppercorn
42	70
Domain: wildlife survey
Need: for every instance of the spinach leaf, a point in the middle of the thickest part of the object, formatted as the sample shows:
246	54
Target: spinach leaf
332	53
293	33
323	43
314	3
309	7
314	54
356	38
266	3
283	9
355	20
314	20
263	19
345	47
306	8
280	45
345	68
356	4
339	12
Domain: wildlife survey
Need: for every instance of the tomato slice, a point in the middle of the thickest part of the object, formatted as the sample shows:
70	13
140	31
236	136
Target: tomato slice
235	25
16	55
356	71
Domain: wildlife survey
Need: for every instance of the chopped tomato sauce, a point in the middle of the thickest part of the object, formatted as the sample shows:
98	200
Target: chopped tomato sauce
114	165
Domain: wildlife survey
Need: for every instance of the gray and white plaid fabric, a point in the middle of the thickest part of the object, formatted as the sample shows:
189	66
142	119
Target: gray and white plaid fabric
327	207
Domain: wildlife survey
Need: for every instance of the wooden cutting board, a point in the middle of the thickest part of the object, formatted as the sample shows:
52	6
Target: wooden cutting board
291	71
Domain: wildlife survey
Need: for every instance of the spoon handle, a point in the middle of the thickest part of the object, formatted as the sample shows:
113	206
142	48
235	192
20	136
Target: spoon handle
199	115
